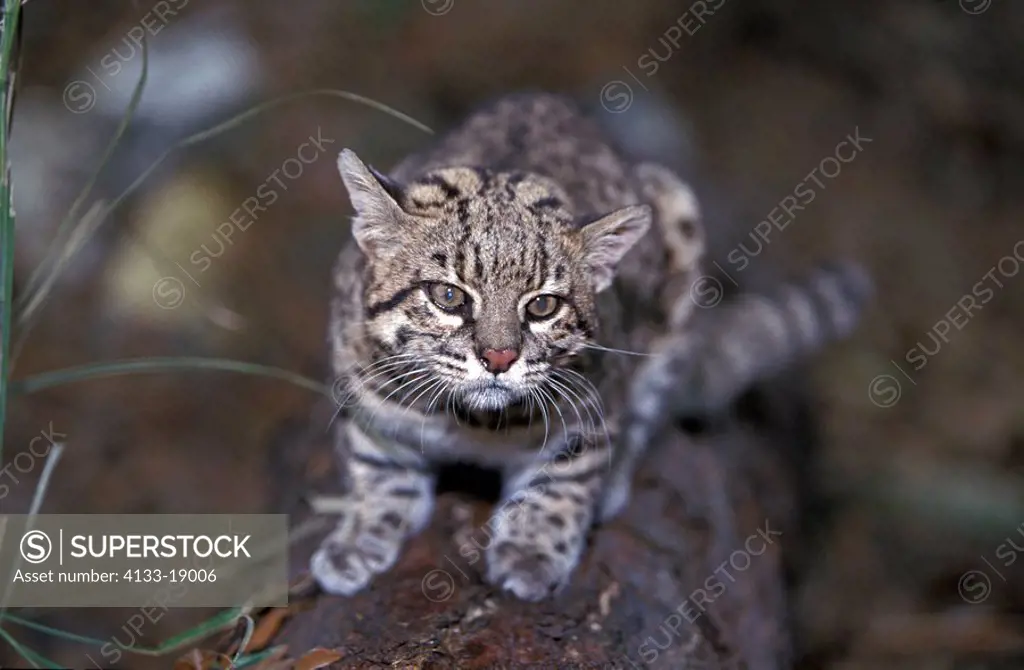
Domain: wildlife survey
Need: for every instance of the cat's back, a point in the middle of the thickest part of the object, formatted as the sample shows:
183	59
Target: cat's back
543	133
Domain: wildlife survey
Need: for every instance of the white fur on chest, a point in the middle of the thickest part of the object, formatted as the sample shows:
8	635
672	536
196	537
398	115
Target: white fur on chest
440	438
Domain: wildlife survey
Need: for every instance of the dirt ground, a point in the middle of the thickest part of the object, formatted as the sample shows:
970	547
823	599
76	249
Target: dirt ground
918	563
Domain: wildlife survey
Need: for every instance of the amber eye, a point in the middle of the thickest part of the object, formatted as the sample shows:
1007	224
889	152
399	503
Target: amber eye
543	306
446	296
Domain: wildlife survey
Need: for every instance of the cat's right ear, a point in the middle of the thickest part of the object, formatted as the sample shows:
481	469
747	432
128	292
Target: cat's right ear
375	199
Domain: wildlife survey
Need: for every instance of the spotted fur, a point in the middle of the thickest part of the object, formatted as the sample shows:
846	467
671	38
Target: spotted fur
487	310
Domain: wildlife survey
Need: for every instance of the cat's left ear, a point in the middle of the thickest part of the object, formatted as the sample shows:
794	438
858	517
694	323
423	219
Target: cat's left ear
606	241
375	198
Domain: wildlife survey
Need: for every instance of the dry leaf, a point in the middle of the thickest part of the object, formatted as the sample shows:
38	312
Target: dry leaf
276	661
202	659
267	627
317	657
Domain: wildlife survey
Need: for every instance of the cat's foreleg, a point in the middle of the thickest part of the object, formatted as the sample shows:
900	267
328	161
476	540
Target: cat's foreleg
387	499
539	531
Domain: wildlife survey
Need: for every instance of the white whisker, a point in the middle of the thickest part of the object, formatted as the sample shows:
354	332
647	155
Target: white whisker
424	374
544	392
437	385
421	388
612	350
564	392
593	397
544	412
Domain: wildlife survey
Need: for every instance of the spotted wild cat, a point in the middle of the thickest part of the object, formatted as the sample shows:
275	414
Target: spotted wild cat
490	309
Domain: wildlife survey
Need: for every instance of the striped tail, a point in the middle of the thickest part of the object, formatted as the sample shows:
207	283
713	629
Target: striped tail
723	351
755	336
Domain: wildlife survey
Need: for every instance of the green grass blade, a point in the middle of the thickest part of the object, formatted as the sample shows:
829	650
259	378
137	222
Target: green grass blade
37	503
36	301
129	366
241	118
8	56
217	623
250	627
249	660
54	632
275	102
37	660
36	287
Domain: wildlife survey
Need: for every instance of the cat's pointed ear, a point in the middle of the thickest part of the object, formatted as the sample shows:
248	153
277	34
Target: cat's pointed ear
606	241
375	198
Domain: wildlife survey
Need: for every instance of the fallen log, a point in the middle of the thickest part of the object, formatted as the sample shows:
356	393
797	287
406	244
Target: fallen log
691	575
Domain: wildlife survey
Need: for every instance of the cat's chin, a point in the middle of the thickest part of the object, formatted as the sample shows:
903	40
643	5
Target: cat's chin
490	397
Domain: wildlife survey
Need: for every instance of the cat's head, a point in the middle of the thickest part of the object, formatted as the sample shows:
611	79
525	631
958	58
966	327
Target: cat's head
479	285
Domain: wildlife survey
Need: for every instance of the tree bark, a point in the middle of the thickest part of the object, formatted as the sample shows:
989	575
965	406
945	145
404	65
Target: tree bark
690	575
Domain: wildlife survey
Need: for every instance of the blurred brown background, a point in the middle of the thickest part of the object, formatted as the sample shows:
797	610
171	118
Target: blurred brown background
912	570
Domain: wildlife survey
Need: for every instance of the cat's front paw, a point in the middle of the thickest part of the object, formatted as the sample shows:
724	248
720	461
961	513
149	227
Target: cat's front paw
529	572
346	562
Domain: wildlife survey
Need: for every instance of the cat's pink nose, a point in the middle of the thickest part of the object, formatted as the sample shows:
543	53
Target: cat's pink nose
498	360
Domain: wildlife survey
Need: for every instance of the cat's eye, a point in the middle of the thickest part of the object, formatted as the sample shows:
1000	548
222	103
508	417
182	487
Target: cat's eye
446	296
543	306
